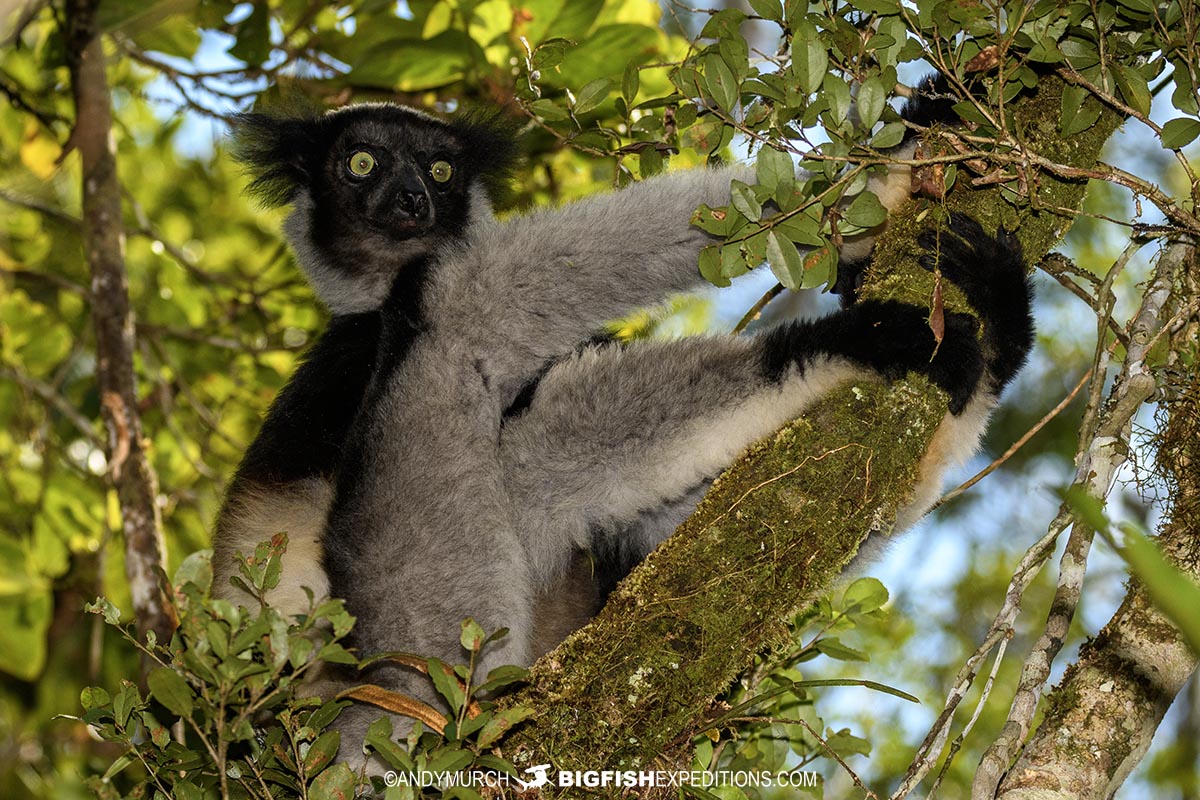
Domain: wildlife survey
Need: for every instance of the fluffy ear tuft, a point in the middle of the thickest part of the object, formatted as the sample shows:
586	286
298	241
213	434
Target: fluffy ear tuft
277	150
491	143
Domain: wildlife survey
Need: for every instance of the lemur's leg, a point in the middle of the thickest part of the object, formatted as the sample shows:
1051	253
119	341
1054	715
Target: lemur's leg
613	433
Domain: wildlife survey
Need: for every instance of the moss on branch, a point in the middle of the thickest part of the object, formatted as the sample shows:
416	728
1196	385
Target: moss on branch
776	529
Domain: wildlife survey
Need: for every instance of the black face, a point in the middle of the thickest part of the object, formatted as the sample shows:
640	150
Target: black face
390	175
386	182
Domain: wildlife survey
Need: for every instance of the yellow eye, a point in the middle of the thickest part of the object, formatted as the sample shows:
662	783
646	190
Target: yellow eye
361	163
441	171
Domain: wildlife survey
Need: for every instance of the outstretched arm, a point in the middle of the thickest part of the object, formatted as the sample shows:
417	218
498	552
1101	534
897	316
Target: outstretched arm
586	263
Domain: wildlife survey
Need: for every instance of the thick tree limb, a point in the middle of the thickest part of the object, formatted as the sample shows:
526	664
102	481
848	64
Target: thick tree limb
1100	720
104	243
630	689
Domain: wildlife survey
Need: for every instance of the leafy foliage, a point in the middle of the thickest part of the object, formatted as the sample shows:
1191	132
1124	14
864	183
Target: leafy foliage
609	91
229	705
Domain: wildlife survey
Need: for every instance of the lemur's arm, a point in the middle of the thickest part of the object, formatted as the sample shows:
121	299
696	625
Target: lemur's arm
550	279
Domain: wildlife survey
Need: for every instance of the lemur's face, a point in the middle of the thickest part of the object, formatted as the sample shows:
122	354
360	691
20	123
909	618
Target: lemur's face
373	187
388	179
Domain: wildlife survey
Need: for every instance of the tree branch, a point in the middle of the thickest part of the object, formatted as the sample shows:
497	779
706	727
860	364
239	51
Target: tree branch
1099	721
104	241
1106	453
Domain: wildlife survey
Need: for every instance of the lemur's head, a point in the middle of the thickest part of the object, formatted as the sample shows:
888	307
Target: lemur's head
372	187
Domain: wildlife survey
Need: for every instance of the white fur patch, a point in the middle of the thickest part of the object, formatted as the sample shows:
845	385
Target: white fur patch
256	515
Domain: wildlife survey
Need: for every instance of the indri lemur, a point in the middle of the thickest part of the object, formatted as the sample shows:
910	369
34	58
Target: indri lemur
453	440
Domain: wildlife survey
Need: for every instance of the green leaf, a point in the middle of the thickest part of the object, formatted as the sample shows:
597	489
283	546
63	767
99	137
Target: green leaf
742	198
334	653
195	569
650	162
801	228
837	93
1180	132
327	713
592	95
785	261
501	723
124	703
888	136
881	7
253	43
864	595
1134	87
872	97
1141	6
414	64
472	636
451	759
606	51
629	83
820	267
93	697
446	683
112	614
169	688
186	790
809	57
321	752
846	744
335	783
833	647
705	136
768	9
879	687
714	221
710	266
549	110
774	169
1080	110
720	83
158	732
115	768
865	211
379	739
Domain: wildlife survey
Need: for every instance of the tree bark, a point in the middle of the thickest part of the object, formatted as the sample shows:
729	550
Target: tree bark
632	688
104	243
1100	719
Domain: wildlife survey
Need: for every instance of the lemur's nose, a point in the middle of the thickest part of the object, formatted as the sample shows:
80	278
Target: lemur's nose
414	203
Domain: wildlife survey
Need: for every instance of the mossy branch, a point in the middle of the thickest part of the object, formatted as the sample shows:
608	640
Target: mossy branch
631	688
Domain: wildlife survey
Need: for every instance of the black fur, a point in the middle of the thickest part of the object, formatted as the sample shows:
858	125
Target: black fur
932	102
991	272
286	152
891	338
400	323
305	429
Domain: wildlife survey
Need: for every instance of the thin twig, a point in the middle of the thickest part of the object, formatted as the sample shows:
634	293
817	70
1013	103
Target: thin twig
1017	445
757	308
